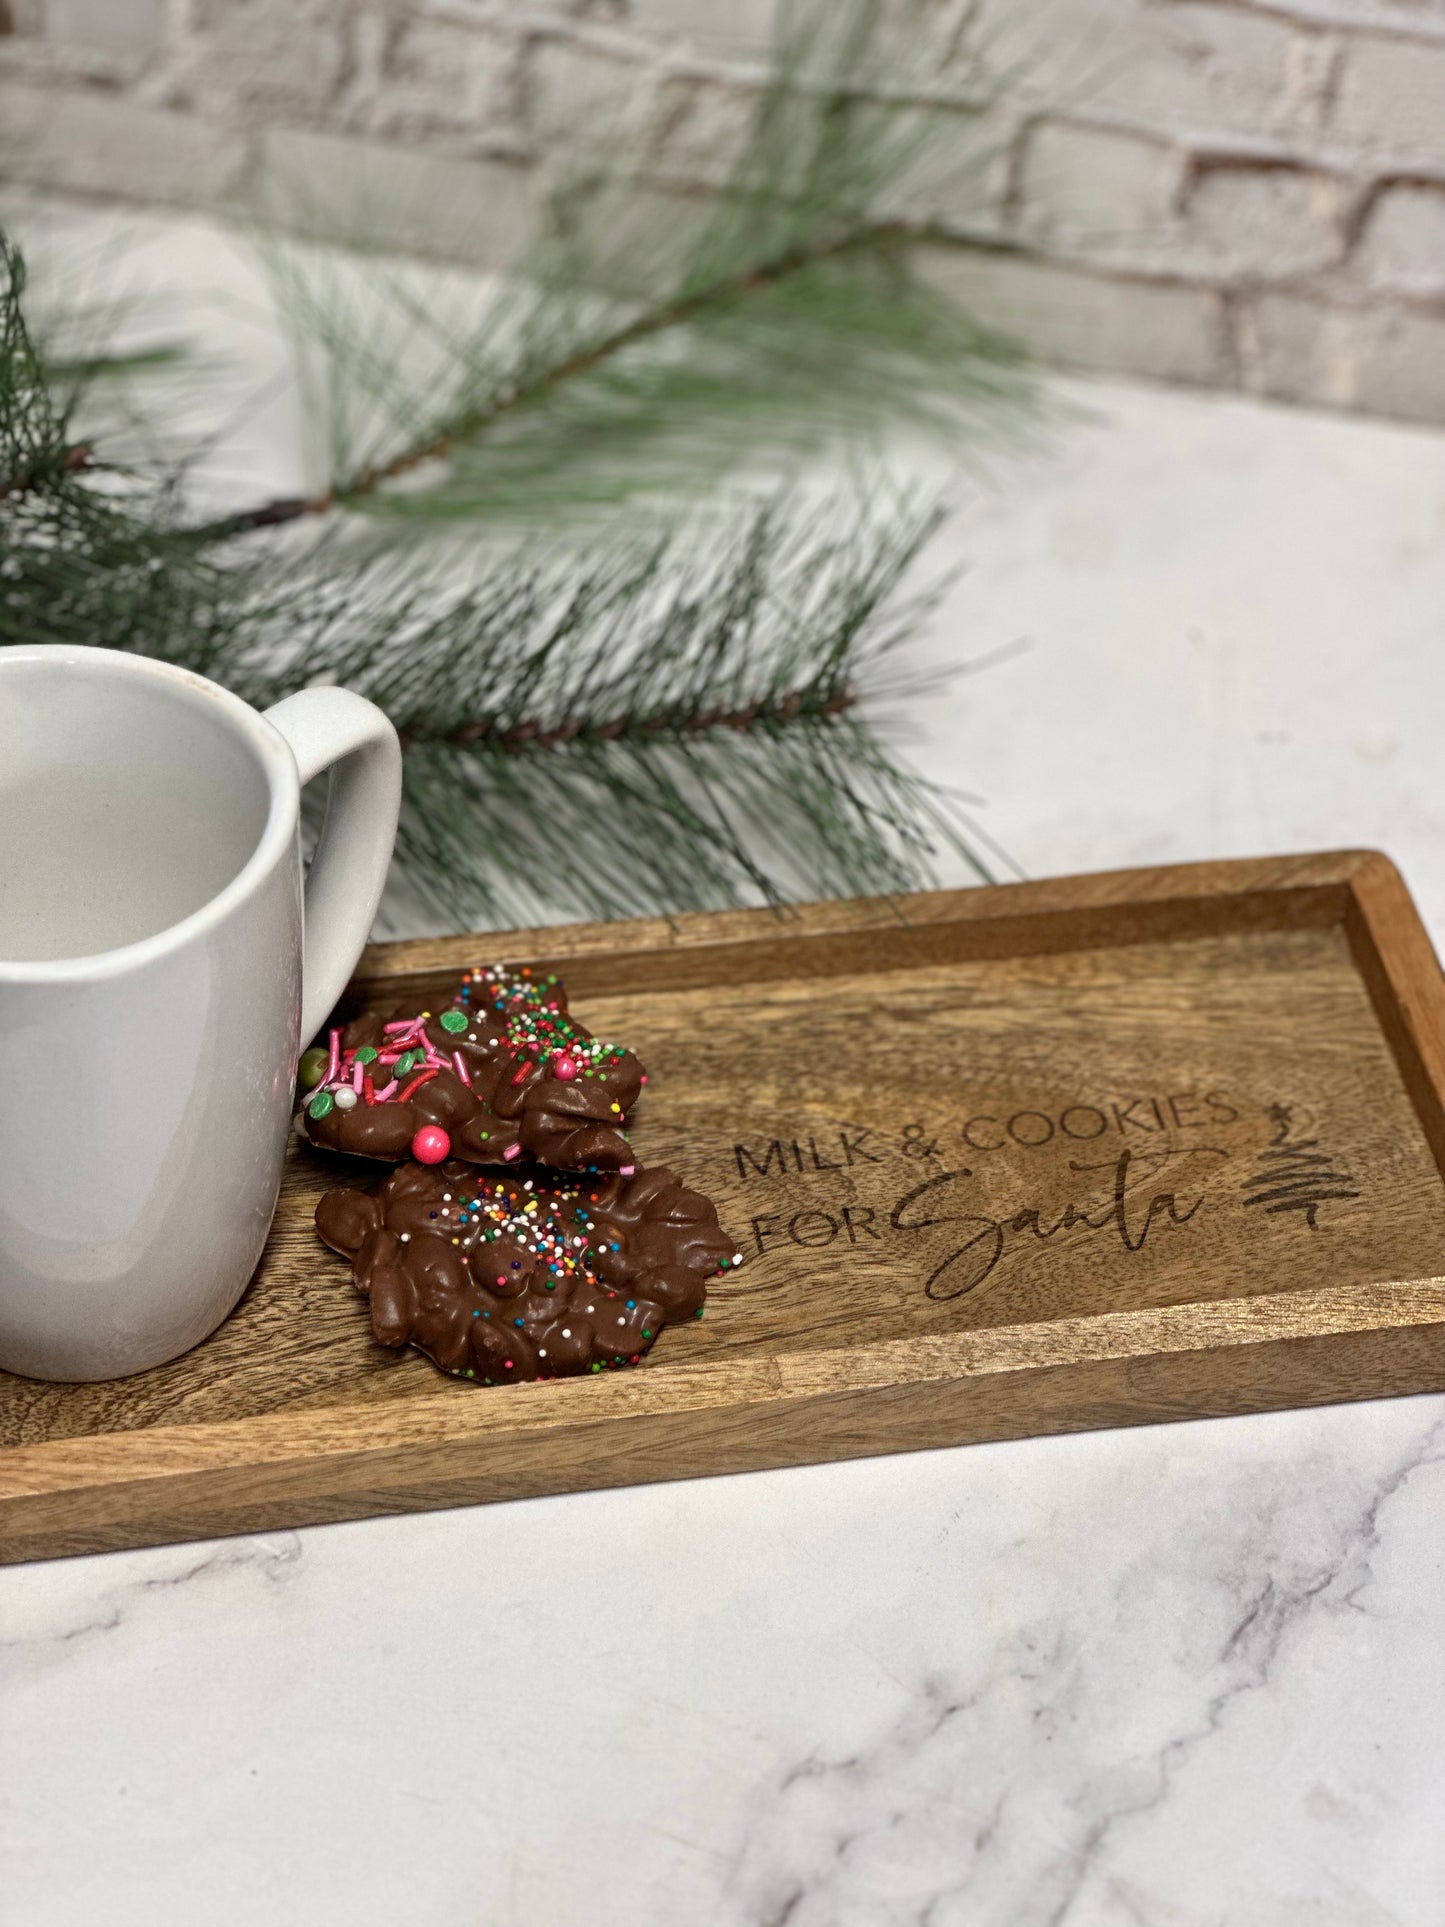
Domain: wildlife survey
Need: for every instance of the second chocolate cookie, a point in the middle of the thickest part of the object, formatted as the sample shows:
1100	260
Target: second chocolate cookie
501	1278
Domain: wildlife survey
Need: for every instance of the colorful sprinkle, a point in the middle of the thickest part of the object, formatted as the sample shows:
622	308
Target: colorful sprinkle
431	1144
312	1067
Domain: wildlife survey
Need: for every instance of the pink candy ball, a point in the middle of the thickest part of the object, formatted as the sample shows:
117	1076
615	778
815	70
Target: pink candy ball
431	1144
564	1067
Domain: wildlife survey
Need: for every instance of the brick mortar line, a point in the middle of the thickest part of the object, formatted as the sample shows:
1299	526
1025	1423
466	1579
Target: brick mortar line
1330	282
1325	288
1309	16
1318	154
1316	286
1343	20
1366	178
1201	148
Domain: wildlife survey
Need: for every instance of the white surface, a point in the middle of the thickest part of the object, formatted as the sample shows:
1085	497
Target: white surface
1182	1677
1234	619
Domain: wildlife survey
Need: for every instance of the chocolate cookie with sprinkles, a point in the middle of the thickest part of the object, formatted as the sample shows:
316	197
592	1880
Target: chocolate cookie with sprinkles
500	1277
501	1074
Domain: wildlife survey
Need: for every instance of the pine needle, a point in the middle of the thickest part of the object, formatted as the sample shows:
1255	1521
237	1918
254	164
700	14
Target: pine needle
673	713
652	338
673	722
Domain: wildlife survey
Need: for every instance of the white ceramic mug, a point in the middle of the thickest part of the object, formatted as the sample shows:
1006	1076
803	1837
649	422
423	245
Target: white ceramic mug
151	986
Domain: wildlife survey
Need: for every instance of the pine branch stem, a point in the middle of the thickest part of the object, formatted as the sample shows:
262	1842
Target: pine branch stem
517	738
471	427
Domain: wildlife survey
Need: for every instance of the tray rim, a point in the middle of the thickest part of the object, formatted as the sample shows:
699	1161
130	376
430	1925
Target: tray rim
1309	890
129	1474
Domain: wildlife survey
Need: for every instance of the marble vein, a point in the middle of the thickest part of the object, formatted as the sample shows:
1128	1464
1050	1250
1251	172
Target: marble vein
906	1831
276	1559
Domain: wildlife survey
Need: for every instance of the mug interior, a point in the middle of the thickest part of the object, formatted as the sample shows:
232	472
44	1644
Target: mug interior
128	799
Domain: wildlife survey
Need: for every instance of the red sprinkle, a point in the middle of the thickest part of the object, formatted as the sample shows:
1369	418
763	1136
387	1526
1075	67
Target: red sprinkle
368	1089
415	1085
431	1144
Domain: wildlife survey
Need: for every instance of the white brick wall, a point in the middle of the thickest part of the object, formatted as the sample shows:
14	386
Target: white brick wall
1401	246
1231	192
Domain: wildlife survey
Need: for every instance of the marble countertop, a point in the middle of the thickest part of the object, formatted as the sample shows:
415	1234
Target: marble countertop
1187	1676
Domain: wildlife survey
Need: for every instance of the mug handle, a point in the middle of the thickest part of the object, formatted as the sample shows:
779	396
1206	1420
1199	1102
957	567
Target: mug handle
326	727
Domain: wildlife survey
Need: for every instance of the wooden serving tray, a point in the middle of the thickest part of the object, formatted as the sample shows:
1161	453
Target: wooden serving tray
1101	1151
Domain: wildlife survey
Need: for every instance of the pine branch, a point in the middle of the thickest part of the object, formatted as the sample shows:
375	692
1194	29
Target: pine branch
33	451
63	461
652	721
516	739
473	424
88	552
652	337
675	722
662	722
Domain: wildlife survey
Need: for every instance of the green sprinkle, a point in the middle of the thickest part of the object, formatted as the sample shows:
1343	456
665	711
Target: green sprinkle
321	1104
366	1055
453	1020
312	1067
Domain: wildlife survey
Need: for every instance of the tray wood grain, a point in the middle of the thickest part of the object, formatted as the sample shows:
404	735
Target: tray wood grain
1100	1151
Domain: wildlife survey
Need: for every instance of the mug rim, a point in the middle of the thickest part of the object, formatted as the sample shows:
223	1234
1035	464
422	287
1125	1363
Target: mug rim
283	783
